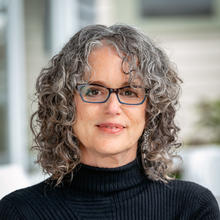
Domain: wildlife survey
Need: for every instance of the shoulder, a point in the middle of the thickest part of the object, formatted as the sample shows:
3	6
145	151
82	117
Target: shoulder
179	187
191	189
182	190
23	194
17	204
188	200
195	197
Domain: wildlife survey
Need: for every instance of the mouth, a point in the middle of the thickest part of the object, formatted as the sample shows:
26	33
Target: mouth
111	128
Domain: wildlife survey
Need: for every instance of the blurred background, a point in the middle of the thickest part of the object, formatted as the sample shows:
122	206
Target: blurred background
31	32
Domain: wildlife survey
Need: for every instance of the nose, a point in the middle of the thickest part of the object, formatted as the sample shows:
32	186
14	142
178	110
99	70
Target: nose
113	106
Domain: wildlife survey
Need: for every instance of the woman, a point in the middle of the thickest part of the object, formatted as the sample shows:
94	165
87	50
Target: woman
106	135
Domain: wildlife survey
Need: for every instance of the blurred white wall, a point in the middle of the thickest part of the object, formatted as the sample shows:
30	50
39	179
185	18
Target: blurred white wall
12	177
197	58
202	165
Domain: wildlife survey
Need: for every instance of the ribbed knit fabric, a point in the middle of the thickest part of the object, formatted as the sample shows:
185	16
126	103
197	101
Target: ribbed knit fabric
122	193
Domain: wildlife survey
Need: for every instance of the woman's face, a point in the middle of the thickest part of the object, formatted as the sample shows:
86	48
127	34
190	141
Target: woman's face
108	132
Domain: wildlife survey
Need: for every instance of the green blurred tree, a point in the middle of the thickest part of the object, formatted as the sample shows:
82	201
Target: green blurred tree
209	111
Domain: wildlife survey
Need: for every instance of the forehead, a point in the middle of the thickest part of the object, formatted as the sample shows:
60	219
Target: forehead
106	64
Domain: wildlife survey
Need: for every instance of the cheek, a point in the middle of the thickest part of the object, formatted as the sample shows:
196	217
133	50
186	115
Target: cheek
141	115
80	123
137	119
79	115
140	122
85	113
80	109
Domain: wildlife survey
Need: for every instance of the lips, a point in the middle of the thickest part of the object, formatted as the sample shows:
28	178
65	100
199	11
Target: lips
112	128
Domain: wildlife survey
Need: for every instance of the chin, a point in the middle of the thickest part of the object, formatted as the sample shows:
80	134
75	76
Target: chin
111	148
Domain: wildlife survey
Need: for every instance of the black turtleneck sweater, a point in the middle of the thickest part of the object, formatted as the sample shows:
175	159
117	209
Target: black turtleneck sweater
122	193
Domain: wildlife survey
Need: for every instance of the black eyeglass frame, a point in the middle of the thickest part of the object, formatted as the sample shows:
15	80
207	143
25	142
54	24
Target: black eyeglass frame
110	91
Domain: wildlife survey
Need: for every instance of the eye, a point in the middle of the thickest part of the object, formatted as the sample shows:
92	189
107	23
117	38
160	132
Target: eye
92	92
128	92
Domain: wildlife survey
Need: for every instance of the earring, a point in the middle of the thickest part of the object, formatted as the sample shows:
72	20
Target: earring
145	147
145	142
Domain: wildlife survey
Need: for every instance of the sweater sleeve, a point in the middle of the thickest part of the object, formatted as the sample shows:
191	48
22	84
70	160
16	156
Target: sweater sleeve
8	211
209	209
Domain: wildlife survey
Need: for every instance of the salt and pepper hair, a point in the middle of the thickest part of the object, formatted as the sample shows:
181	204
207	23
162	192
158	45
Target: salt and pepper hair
52	123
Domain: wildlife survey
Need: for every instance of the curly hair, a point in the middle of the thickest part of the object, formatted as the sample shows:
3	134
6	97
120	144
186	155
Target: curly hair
52	123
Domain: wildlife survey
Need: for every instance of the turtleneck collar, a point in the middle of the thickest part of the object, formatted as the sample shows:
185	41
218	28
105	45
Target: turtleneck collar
106	180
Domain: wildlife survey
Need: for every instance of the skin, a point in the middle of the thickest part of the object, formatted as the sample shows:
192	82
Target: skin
100	147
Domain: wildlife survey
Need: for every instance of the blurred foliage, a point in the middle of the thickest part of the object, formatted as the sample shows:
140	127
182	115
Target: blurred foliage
177	174
209	114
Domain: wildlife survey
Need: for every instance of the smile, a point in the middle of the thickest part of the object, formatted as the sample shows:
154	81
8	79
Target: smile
111	128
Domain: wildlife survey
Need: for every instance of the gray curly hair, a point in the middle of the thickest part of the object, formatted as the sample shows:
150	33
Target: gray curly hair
57	146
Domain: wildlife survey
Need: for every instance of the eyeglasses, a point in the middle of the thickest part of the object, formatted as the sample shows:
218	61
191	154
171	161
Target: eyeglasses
93	93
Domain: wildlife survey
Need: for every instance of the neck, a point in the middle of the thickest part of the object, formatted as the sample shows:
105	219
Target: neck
106	160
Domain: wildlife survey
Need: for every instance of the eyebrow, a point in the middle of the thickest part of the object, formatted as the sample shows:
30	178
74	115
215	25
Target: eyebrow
104	84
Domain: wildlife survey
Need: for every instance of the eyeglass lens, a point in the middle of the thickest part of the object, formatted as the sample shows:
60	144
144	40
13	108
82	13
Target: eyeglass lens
96	93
